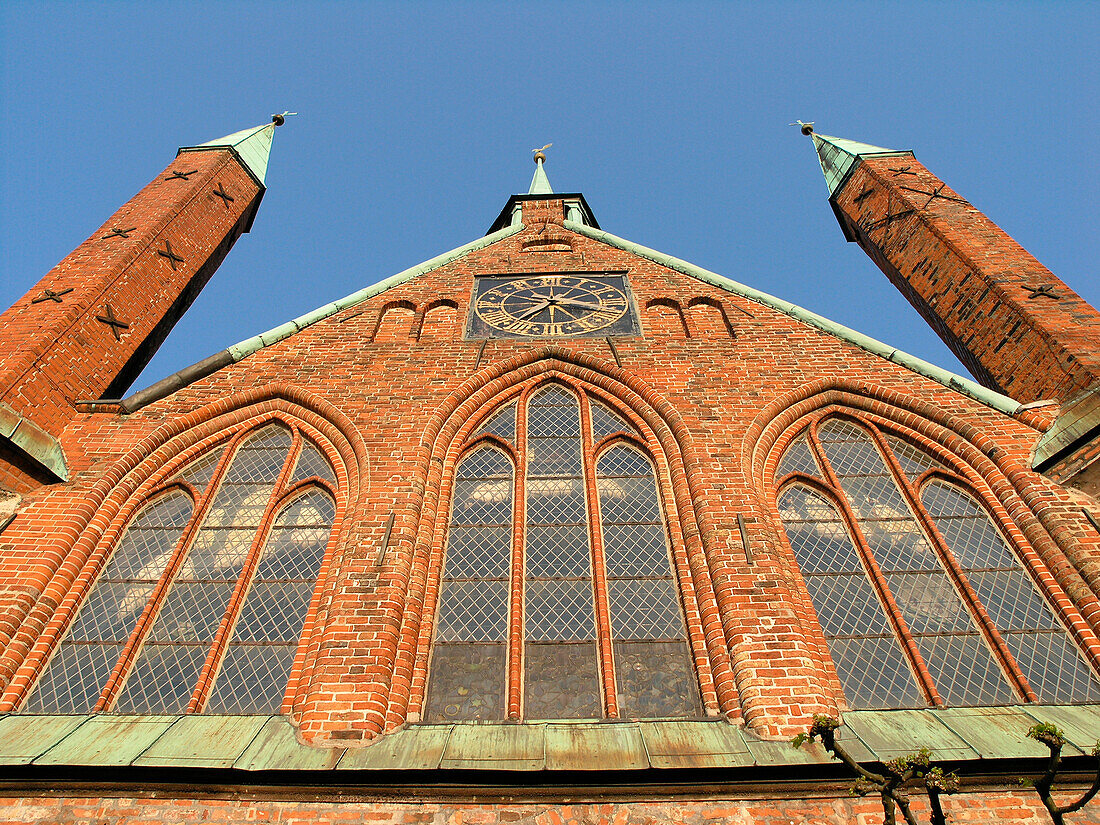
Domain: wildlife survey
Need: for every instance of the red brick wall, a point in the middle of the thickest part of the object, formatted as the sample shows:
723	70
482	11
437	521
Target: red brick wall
1020	807
977	287
52	354
396	396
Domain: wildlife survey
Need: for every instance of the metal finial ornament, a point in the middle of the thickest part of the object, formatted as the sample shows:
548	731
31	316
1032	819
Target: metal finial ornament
540	154
805	128
279	120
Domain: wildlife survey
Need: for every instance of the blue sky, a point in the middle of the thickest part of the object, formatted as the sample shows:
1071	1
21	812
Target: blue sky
417	122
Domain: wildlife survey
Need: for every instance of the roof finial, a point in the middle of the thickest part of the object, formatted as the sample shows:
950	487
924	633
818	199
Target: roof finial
805	128
540	154
279	120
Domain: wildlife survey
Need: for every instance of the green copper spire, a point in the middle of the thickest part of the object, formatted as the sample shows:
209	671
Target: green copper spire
540	184
839	156
252	145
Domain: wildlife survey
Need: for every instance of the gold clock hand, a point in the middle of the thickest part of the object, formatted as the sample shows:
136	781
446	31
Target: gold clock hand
581	304
536	310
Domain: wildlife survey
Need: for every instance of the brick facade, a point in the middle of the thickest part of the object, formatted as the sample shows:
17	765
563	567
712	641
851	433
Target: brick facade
391	390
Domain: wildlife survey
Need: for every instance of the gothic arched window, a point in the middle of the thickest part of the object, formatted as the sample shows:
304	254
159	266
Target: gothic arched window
202	601
920	596
558	570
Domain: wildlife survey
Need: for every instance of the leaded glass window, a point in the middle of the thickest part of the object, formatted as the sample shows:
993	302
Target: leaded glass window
201	604
881	570
574	624
472	615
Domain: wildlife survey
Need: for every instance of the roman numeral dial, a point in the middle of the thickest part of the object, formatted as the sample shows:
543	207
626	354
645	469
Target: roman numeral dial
551	305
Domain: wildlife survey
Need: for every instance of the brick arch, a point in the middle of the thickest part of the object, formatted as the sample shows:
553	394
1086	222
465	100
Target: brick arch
395	322
405	585
665	318
1006	489
438	320
707	317
66	573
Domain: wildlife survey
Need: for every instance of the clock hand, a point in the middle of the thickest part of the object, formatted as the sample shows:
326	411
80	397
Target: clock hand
581	304
535	310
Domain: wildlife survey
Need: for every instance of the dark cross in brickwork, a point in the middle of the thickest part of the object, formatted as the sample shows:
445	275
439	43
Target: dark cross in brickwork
225	196
167	252
936	193
866	193
50	295
901	170
118	233
1042	291
110	320
177	175
887	220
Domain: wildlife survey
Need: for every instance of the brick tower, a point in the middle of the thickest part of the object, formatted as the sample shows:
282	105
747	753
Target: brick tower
1016	326
88	328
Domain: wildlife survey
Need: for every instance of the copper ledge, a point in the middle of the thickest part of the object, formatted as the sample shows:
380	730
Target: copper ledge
30	440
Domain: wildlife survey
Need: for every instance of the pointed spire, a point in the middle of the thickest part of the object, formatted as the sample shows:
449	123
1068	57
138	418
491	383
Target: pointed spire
540	184
838	155
252	145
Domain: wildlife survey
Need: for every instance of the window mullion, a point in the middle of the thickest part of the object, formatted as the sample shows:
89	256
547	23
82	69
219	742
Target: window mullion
240	590
955	572
513	698
599	570
202	505
878	580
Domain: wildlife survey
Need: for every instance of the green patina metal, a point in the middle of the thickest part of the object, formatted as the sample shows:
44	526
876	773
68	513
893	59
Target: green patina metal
839	156
253	147
34	442
1077	423
269	743
1001	732
540	184
965	386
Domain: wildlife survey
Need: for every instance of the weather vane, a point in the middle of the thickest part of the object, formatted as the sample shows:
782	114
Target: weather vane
279	120
807	128
540	154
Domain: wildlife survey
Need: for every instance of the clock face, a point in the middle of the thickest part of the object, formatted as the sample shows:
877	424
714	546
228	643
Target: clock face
540	306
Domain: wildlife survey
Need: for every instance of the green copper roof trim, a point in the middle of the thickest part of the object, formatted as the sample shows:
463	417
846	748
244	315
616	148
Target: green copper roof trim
540	184
253	147
265	339
839	156
965	386
33	442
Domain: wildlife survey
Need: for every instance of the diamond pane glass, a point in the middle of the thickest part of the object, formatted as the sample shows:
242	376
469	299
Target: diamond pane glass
622	460
561	681
252	679
913	460
478	552
74	679
467	680
555	501
75	676
964	671
198	473
628	499
502	424
606	421
273	612
239	505
645	609
467	683
899	546
929	603
656	680
1053	667
191	612
558	609
554	456
1042	648
293	553
558	551
162	680
635	550
312	462
874	673
797	459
